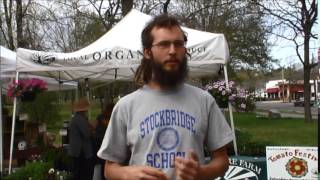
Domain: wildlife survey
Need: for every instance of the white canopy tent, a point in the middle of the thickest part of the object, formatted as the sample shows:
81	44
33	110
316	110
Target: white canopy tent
8	70
8	60
117	54
7	75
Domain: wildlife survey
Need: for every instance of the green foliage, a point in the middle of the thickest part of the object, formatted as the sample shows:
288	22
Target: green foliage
254	133
88	27
246	104
38	170
50	155
281	131
55	160
242	136
93	30
247	146
35	170
220	93
43	109
59	157
243	24
239	98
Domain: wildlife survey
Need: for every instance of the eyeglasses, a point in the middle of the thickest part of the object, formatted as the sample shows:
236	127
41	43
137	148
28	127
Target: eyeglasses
167	44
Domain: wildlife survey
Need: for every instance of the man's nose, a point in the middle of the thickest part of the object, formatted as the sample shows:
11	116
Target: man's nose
172	49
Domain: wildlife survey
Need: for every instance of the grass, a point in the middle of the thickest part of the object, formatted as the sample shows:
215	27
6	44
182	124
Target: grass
281	111
283	131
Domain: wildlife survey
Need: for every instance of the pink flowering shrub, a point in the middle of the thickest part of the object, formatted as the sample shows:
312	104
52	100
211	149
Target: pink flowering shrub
243	101
239	98
220	92
27	85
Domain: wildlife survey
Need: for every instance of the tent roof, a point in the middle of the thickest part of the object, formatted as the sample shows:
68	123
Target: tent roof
8	59
8	69
117	54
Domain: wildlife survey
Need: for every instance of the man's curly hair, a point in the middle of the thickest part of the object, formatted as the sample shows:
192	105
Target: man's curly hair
144	72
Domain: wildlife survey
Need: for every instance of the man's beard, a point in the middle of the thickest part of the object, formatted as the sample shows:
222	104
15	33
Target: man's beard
169	79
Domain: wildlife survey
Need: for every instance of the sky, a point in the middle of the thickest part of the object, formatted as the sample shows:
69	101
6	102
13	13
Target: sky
285	51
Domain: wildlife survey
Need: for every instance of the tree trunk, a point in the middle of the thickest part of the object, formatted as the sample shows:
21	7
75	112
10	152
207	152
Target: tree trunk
165	7
315	89
289	86
19	16
126	6
306	78
307	88
8	19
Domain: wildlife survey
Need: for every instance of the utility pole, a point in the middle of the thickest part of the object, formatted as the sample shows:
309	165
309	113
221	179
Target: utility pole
282	74
314	76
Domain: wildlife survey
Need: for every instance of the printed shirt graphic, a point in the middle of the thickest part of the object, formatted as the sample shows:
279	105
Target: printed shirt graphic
151	127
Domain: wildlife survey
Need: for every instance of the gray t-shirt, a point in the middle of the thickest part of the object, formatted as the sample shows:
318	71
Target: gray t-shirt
152	127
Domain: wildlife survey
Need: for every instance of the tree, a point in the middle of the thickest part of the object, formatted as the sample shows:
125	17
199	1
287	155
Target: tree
295	18
153	6
240	21
126	6
14	11
109	11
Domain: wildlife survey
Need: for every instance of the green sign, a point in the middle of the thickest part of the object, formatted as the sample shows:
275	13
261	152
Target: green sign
246	168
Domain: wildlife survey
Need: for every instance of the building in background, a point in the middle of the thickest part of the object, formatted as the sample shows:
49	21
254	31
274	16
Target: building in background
287	91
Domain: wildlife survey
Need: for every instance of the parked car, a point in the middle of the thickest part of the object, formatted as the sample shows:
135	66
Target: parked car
300	102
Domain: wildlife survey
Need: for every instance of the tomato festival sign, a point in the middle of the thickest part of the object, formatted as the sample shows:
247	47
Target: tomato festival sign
292	163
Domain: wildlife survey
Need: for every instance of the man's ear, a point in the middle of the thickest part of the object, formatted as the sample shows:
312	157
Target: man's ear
185	50
147	53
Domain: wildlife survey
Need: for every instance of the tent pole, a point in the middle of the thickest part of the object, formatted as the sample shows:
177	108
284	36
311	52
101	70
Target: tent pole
13	124
88	95
59	90
230	111
76	96
1	128
1	134
1	124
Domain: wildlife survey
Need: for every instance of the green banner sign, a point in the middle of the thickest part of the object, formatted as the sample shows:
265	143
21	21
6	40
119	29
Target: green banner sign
246	168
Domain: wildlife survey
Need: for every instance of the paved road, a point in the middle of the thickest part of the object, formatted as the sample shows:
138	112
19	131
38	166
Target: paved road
286	109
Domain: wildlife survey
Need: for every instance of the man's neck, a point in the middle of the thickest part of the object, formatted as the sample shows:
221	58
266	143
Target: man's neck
155	85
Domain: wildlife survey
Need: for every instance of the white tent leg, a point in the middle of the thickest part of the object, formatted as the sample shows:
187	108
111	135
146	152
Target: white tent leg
1	124
13	125
77	92
88	95
230	111
1	133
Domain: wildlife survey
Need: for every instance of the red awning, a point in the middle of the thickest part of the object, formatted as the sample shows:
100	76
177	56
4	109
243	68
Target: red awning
297	89
272	90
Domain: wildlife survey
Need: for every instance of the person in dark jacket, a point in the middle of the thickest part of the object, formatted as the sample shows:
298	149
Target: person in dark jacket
80	140
100	127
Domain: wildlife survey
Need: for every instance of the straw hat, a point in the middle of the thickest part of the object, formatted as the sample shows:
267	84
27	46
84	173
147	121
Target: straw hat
81	105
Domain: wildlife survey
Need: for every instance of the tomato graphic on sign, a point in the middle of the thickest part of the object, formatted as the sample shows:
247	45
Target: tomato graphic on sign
297	167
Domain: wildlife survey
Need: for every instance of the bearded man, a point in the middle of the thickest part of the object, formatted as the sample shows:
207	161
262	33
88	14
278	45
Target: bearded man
159	131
